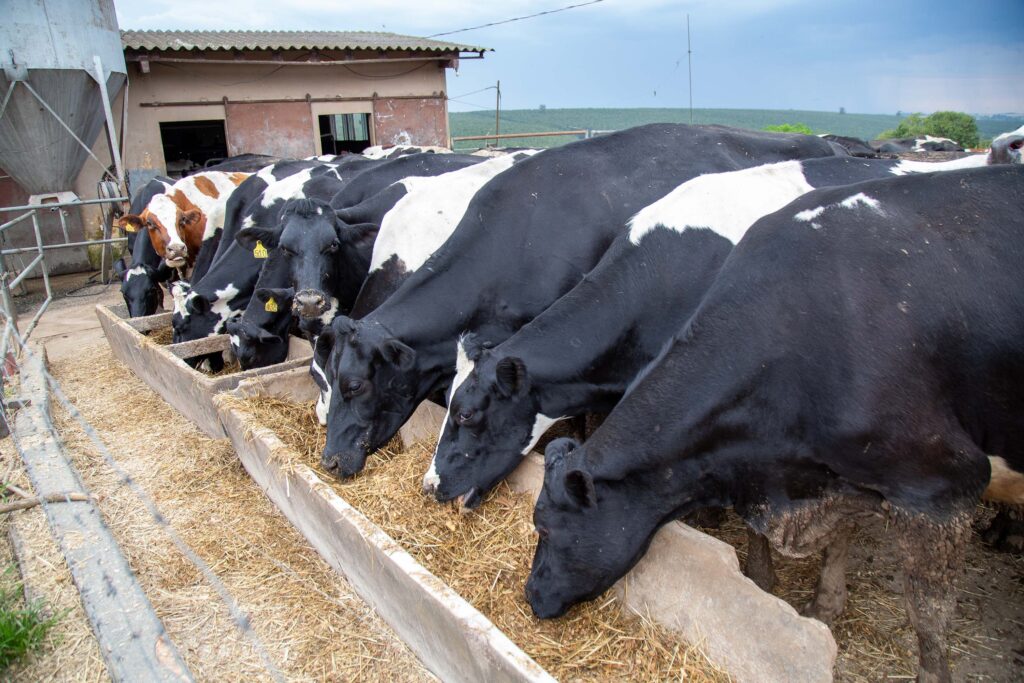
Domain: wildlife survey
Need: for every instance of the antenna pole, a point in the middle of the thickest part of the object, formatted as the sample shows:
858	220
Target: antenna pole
689	65
497	114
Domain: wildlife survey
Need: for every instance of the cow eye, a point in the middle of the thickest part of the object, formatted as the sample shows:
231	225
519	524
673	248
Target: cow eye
354	386
465	416
332	247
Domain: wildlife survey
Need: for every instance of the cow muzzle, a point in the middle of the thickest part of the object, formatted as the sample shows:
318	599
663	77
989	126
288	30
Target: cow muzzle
176	256
309	303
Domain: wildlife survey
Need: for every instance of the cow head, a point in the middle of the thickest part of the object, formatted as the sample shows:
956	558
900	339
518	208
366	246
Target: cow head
1008	148
591	529
194	317
489	426
326	257
166	221
253	338
140	288
373	379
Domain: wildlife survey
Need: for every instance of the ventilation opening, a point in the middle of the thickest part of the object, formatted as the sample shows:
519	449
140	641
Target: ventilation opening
189	146
344	133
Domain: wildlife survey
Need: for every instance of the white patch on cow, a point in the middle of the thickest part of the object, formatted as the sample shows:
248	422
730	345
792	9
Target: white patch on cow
327	317
165	211
541	424
727	203
222	308
1002	136
855	200
808	215
266	174
235	341
182	293
323	400
919	142
851	202
137	270
423	219
286	188
401	144
248	222
463	367
907	166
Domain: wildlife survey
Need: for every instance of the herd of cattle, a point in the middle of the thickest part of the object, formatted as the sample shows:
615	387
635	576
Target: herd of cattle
770	324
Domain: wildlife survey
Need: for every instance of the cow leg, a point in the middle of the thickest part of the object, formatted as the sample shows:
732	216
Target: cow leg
933	559
830	593
759	567
1006	531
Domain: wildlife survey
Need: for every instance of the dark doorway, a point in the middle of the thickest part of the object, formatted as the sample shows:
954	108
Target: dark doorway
189	145
344	133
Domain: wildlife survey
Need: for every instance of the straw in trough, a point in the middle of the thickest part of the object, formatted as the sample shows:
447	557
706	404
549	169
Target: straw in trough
485	556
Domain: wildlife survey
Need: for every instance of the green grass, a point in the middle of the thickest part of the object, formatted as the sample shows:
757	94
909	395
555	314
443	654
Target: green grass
22	629
864	126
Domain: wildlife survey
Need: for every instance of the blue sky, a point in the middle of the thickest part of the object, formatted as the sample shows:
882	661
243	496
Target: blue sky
869	56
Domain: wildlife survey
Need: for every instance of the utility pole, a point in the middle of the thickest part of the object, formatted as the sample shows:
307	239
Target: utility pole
689	65
497	115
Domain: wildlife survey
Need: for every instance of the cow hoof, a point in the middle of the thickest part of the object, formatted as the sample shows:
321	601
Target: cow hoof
824	613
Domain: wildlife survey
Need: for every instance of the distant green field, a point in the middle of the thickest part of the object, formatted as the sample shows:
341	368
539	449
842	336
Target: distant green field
864	126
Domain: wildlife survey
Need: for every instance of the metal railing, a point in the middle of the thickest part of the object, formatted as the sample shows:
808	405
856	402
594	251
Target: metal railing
10	279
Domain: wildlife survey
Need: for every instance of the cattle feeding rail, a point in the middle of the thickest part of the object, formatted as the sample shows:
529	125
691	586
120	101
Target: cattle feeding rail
581	134
11	278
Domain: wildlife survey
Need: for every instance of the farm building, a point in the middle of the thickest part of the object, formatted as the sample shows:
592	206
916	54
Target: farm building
198	96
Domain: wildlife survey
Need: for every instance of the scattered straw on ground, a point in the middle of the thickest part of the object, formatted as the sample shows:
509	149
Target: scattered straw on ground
485	556
876	641
313	625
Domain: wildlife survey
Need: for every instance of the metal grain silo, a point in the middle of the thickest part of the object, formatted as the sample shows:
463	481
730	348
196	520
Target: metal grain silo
50	87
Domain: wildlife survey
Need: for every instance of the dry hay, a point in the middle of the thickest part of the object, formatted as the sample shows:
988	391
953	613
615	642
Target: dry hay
310	621
485	556
162	336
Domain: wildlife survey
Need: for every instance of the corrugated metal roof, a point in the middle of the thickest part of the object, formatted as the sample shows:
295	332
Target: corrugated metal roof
286	40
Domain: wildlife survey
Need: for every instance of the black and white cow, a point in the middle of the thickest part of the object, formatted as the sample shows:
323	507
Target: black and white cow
141	278
328	247
579	355
417	224
201	309
859	353
420	222
927	143
855	147
1007	148
527	237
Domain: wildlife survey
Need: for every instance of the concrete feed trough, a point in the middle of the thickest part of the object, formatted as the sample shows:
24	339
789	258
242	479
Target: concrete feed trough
688	582
163	368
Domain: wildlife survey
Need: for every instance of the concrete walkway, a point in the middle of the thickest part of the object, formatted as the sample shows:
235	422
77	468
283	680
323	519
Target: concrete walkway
70	323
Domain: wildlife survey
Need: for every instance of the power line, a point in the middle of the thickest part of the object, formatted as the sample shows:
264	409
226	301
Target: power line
509	21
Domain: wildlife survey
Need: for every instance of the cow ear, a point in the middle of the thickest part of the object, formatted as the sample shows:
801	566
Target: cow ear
342	325
200	304
579	487
268	337
248	237
130	223
283	295
189	217
397	353
557	450
360	235
120	268
473	346
323	346
510	377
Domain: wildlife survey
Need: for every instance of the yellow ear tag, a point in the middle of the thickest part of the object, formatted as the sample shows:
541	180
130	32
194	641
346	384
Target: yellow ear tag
270	306
129	227
259	251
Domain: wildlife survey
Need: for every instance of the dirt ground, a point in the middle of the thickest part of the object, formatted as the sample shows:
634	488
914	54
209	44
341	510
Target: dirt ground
313	625
876	642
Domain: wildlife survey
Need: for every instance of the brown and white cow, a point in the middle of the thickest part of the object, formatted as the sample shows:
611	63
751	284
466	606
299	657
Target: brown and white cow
192	211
